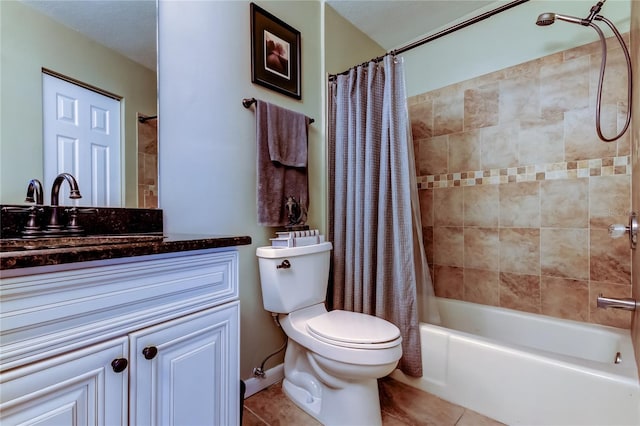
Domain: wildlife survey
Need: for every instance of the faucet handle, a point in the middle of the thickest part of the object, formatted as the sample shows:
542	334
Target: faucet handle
72	223
31	229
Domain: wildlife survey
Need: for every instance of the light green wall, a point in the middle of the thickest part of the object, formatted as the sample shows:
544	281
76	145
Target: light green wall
30	41
345	45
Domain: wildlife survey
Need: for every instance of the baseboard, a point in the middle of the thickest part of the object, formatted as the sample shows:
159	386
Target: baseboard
271	376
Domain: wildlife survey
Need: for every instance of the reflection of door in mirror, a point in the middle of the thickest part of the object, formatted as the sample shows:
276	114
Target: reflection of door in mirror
31	42
81	134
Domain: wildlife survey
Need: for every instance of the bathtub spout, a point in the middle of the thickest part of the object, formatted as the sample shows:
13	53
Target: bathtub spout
627	304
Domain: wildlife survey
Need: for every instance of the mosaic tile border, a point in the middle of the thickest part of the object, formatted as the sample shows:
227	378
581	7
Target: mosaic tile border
608	166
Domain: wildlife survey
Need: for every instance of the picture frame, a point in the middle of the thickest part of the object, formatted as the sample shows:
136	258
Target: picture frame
275	53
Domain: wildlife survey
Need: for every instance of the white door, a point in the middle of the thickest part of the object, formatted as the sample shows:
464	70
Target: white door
184	372
82	137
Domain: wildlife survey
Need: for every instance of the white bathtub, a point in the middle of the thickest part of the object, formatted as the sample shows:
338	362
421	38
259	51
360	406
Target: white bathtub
527	369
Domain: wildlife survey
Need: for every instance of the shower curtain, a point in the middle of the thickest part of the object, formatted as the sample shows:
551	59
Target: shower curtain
379	266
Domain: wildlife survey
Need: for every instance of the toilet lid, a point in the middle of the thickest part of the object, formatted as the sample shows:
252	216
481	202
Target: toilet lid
353	329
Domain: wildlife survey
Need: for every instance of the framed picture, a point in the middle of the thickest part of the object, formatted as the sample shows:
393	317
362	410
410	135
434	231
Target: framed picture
275	53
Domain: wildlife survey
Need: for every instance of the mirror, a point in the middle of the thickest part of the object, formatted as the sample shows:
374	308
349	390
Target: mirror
31	40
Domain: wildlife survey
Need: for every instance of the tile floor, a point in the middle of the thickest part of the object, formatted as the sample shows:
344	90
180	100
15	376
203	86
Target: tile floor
401	405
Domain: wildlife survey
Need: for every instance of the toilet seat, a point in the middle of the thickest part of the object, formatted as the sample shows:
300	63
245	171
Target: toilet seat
353	330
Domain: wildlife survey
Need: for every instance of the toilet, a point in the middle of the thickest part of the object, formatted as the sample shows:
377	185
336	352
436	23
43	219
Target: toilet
333	358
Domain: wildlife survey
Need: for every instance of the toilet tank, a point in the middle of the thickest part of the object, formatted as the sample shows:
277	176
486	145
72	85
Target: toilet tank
293	277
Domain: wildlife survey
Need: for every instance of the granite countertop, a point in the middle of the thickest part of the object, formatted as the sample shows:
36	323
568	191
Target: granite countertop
169	243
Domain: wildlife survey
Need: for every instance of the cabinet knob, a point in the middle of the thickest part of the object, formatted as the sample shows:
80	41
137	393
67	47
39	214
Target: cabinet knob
150	352
119	364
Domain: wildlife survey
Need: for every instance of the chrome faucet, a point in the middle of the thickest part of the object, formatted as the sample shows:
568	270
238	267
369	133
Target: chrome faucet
54	221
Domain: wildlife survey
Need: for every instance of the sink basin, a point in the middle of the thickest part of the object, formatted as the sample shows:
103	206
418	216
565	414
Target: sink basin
20	244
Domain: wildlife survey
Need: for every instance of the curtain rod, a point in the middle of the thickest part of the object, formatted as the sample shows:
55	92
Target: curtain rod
444	32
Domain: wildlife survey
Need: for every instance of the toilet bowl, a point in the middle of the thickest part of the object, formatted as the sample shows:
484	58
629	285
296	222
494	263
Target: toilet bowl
333	358
334	379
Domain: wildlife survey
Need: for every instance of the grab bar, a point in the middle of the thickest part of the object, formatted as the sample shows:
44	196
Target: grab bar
627	304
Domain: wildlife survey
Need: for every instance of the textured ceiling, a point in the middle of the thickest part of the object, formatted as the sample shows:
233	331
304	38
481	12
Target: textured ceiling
394	23
129	26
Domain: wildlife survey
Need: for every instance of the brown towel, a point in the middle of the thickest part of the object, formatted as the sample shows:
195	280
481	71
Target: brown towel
281	137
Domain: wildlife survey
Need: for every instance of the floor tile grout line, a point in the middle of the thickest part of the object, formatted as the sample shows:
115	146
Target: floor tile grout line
256	414
395	417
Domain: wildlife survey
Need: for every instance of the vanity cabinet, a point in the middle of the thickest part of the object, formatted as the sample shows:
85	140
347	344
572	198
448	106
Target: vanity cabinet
79	388
154	340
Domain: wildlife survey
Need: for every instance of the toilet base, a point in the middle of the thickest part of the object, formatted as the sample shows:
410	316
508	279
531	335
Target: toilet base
356	405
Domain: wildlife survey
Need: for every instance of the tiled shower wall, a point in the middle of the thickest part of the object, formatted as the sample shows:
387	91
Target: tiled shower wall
517	191
148	164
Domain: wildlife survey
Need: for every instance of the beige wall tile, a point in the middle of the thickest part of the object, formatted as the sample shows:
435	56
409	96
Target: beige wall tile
482	248
565	86
615	74
464	151
448	282
609	200
425	197
564	253
427	240
565	298
448	207
521	292
519	98
610	259
564	203
541	141
481	286
421	120
580	139
448	111
481	106
520	205
624	143
433	155
520	250
481	205
448	246
499	147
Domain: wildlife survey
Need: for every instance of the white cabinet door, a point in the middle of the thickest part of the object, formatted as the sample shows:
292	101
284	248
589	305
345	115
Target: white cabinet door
191	376
79	388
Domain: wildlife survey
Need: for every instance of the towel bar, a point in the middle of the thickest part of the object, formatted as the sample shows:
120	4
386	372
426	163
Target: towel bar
247	102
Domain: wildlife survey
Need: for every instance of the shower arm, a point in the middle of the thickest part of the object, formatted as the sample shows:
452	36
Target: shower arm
601	79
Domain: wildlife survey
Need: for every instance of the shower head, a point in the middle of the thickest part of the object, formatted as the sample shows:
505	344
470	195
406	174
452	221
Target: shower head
546	19
549	18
